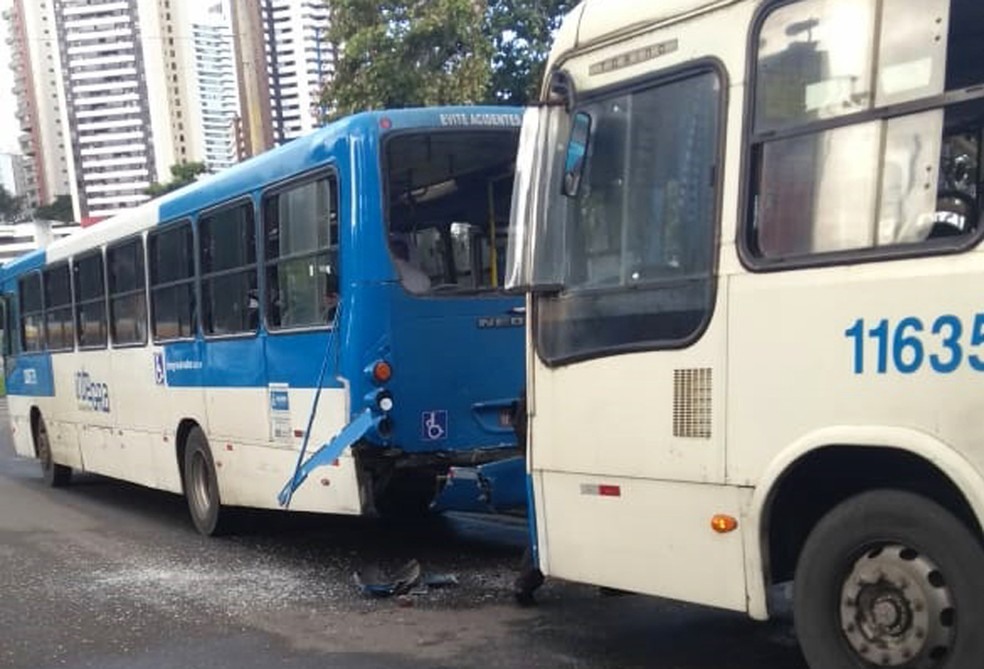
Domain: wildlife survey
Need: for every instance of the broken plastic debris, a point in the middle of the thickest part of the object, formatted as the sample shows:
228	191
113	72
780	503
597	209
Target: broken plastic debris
374	582
440	580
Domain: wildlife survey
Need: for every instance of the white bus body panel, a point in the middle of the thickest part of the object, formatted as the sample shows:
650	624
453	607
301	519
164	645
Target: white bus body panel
613	416
136	440
653	538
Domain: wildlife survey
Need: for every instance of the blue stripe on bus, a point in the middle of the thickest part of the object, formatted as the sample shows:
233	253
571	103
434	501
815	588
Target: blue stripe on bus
252	362
30	375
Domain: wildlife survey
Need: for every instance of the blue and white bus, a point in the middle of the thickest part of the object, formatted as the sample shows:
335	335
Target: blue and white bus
341	290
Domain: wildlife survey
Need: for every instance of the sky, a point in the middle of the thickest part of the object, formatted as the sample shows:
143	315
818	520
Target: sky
8	103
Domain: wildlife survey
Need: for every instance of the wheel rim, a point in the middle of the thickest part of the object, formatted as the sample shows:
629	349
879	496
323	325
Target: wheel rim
897	609
200	488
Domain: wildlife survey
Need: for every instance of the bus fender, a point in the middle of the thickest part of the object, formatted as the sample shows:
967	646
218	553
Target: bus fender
951	463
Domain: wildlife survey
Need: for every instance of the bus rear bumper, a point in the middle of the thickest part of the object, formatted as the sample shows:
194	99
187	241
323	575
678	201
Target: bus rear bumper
496	487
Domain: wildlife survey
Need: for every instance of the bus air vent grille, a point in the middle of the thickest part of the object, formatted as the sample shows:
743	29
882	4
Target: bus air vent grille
692	403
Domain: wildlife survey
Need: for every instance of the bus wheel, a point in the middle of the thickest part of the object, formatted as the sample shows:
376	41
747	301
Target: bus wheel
201	485
890	579
55	475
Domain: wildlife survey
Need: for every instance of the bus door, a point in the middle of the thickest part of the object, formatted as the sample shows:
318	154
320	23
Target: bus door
629	336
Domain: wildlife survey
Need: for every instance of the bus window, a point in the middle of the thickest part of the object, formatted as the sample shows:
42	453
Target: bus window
58	325
633	246
127	296
829	178
90	295
449	198
31	313
300	227
172	283
229	274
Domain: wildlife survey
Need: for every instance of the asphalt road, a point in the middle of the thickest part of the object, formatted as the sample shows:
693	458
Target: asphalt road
106	575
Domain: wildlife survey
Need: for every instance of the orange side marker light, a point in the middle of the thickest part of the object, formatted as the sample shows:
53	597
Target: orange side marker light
723	524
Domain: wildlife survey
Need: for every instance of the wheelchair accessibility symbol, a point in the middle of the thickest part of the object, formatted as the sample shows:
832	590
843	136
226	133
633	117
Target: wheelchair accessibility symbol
434	425
159	376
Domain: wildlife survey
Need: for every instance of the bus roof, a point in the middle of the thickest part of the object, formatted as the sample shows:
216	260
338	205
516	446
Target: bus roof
280	163
593	20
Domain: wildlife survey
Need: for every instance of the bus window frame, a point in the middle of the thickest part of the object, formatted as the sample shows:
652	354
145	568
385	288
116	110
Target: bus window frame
470	293
99	252
5	345
70	305
682	71
750	140
108	296
157	230
329	171
22	349
200	276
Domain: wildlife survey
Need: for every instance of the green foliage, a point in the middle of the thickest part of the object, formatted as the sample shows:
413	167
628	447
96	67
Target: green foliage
10	206
406	53
59	210
521	32
182	174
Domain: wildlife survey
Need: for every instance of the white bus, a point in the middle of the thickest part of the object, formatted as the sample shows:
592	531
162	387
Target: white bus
750	234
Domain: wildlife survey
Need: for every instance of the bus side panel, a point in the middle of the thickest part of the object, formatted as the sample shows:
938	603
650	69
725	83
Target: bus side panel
252	476
86	397
807	341
253	467
60	408
632	533
136	402
19	407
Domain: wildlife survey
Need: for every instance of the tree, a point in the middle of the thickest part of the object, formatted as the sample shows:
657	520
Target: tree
182	174
10	206
521	32
404	53
59	210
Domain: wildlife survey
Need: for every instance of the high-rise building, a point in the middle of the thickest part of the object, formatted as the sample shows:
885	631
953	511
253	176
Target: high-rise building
110	52
284	59
216	92
13	176
35	62
299	60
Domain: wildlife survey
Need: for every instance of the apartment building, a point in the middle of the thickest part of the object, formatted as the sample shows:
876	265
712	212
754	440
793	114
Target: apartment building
120	142
284	58
299	60
36	71
216	93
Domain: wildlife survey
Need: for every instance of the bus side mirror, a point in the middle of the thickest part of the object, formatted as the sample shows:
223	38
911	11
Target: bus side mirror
577	148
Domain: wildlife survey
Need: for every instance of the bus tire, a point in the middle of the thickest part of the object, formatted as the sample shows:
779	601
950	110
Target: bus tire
890	578
202	486
55	475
